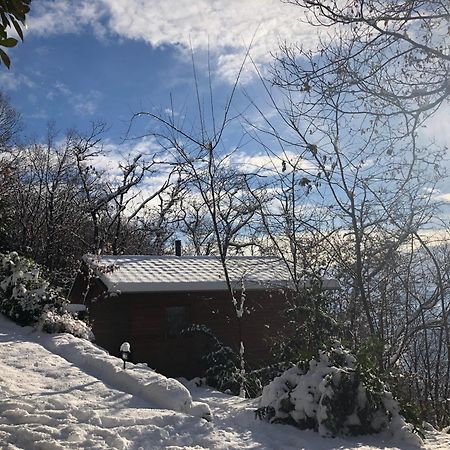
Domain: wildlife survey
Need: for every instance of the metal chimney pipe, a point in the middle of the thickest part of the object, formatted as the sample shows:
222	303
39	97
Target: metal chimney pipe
177	247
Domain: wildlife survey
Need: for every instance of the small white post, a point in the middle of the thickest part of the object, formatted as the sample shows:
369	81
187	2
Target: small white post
125	351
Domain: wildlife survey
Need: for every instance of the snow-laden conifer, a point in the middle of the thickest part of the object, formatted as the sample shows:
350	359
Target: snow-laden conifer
333	395
28	299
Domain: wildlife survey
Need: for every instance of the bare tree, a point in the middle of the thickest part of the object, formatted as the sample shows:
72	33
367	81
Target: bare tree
206	165
354	111
57	206
9	128
114	204
390	56
196	225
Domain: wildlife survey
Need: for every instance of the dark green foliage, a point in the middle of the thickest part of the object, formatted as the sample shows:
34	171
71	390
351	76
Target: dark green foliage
334	395
412	407
309	327
221	362
222	367
12	15
369	357
367	375
265	413
24	295
256	379
343	403
27	299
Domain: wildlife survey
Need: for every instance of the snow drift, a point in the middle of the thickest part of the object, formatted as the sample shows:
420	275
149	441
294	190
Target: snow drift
138	379
48	402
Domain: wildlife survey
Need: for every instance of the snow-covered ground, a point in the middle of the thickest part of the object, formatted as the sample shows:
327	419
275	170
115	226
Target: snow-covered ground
48	401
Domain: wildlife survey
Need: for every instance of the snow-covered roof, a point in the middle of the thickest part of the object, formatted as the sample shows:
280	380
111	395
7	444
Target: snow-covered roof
142	273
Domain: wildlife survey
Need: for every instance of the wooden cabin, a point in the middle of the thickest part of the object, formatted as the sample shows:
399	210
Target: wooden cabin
148	301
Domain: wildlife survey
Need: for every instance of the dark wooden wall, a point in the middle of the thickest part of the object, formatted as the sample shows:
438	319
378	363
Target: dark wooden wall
141	320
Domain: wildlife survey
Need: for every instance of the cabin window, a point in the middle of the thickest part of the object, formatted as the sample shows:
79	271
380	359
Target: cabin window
177	320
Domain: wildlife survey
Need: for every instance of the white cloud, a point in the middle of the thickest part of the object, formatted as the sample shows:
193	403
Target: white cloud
443	197
10	81
49	17
108	162
266	164
226	28
113	154
437	126
83	104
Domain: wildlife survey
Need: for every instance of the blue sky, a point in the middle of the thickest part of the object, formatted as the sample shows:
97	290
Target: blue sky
74	79
102	60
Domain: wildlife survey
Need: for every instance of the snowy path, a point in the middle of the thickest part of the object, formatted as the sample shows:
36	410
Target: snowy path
48	403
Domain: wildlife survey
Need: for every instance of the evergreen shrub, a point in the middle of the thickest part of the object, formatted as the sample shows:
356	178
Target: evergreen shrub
333	395
27	299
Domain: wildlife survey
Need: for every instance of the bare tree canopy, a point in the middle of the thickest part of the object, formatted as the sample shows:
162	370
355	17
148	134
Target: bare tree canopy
391	56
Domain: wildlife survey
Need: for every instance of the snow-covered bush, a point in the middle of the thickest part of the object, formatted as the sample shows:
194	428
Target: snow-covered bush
27	299
64	322
334	396
23	293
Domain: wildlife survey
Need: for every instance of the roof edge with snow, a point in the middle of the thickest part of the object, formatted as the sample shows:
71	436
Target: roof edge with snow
136	273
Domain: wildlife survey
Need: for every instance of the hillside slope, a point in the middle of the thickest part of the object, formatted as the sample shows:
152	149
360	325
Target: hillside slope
47	403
